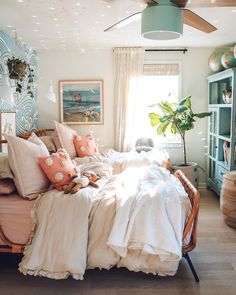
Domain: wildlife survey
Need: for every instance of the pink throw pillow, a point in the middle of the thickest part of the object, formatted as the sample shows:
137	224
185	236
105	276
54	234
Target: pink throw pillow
59	168
85	145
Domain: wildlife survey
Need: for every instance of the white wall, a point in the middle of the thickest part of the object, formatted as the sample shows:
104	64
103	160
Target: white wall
98	65
74	65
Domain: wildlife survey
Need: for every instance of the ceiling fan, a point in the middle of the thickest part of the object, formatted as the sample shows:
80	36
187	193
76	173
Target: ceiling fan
164	19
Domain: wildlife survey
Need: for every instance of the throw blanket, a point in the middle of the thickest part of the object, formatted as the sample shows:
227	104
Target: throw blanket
137	224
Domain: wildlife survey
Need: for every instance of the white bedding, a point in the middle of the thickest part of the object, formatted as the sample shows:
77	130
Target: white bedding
121	161
136	224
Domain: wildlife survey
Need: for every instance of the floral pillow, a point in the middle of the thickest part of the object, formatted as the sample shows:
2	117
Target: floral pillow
59	168
85	145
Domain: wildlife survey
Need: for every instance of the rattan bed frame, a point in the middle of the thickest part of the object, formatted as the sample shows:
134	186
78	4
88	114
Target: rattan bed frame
190	226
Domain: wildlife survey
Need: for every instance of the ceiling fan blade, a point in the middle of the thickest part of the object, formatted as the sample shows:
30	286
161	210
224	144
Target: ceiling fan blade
180	3
150	2
124	22
213	3
194	20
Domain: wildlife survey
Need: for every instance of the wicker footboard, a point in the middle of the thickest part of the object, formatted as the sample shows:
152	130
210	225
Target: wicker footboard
191	224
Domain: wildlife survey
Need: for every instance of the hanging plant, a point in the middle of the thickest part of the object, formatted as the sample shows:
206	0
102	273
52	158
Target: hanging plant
16	68
19	70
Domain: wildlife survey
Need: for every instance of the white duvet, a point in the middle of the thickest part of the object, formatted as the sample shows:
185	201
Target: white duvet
121	161
134	220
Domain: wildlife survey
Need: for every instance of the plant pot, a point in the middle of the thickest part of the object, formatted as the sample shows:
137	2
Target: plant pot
191	171
227	97
16	69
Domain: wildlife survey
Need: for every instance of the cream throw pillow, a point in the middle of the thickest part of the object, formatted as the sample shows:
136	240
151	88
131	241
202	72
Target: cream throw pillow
66	136
23	160
5	171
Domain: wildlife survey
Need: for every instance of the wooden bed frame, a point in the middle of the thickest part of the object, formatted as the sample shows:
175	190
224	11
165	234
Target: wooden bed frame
190	226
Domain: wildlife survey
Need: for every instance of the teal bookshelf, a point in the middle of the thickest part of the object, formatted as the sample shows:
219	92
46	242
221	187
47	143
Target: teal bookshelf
221	128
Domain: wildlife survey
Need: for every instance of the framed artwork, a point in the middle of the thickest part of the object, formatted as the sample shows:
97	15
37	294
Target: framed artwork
81	102
7	126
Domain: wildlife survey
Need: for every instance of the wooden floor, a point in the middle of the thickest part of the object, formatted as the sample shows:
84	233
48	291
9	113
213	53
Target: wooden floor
214	259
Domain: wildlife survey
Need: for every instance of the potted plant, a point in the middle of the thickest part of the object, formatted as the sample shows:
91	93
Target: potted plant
227	94
16	68
19	70
178	118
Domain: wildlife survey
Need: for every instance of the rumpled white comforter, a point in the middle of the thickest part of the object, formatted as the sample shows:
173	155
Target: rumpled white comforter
121	161
136	220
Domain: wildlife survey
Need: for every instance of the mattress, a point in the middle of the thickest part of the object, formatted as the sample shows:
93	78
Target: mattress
15	218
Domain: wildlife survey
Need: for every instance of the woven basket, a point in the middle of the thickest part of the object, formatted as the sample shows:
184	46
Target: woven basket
228	198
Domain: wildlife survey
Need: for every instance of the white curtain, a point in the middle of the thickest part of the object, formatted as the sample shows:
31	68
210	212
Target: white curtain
128	65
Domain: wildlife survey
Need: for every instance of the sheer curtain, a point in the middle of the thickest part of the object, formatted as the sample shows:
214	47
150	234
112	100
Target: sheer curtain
128	65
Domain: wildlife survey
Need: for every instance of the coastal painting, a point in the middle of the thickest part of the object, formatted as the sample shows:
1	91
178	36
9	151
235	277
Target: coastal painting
81	102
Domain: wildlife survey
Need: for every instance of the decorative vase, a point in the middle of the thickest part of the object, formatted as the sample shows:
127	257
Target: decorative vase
227	97
228	59
215	60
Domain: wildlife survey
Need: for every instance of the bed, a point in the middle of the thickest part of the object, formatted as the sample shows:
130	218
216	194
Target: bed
16	228
13	235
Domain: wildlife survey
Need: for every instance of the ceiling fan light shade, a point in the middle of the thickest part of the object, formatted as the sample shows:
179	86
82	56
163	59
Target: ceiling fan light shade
162	22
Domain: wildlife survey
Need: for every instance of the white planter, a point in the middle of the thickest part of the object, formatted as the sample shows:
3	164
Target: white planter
191	171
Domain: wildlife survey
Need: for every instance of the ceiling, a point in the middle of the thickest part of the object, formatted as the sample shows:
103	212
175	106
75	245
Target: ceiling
79	24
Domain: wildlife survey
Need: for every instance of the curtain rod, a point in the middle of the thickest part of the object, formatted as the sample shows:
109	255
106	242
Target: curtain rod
184	50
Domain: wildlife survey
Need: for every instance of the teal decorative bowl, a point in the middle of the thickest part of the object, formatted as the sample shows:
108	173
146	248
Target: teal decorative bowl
228	59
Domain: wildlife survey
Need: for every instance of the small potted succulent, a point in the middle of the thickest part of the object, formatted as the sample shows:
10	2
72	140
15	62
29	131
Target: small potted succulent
19	70
178	118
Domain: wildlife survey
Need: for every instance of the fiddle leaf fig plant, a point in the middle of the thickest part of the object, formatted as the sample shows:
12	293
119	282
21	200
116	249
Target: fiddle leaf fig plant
176	118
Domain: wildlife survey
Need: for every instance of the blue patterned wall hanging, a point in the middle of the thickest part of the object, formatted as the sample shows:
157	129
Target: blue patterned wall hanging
26	107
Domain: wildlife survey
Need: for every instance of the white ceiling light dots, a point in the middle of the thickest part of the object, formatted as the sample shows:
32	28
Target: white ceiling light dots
89	18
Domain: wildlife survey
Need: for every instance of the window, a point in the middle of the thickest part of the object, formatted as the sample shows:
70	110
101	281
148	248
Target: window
161	81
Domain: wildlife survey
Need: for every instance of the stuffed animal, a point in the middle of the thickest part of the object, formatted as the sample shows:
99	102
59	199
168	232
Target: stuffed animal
82	180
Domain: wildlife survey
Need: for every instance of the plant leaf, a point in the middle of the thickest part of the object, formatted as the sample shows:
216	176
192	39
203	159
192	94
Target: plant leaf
167	107
161	129
155	119
173	128
202	115
181	108
188	102
166	118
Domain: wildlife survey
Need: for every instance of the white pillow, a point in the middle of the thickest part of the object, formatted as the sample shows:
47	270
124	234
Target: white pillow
5	171
66	136
23	160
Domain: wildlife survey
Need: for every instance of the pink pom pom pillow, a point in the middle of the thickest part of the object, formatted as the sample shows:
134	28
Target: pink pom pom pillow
85	145
59	168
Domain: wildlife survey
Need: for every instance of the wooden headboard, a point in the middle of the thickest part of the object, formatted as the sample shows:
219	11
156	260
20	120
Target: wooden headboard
38	132
26	135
